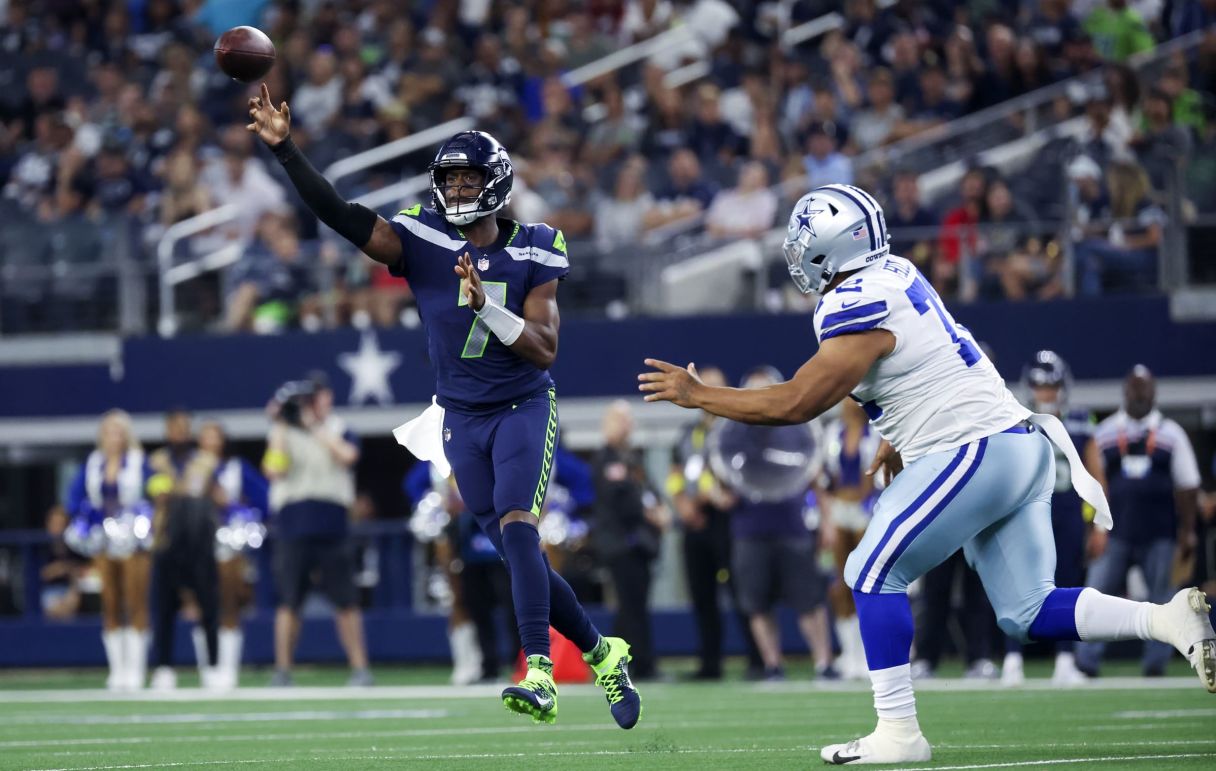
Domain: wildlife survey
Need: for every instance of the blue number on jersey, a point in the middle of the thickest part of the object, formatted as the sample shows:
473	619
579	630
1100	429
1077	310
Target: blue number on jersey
922	297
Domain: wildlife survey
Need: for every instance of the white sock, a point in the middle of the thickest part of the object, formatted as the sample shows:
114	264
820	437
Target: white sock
1101	617
893	697
230	643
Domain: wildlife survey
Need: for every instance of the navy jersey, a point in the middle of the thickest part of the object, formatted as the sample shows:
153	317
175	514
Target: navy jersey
475	371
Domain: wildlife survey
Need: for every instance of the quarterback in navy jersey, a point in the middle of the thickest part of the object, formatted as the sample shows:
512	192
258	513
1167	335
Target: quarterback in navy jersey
487	294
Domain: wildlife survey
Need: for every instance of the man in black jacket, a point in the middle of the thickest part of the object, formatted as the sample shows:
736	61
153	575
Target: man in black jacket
628	525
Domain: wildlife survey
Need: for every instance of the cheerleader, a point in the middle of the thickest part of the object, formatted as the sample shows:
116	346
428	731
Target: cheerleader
242	491
112	523
851	444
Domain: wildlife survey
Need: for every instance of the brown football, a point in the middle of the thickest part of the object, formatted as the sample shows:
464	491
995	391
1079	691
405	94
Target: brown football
244	53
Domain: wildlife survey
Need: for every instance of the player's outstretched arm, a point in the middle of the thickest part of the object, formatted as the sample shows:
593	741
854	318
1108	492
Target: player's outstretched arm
824	380
354	222
533	337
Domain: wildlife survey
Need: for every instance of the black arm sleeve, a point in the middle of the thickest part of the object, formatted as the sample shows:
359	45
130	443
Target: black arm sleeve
352	221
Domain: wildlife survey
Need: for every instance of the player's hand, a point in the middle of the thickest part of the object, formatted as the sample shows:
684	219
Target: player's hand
888	460
470	282
272	126
670	383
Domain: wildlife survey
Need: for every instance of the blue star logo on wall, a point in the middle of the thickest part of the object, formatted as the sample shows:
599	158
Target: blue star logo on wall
804	217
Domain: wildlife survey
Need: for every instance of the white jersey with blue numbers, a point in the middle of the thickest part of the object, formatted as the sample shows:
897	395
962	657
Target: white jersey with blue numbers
936	390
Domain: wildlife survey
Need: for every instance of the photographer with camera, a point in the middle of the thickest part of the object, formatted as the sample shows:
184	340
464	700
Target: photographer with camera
310	458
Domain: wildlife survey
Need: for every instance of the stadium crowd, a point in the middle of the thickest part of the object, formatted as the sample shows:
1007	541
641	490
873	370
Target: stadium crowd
116	112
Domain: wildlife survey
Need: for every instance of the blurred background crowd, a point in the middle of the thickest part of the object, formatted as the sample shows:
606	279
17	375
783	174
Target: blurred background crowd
1023	150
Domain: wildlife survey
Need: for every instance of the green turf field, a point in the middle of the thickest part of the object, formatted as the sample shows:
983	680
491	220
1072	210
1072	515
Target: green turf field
1115	723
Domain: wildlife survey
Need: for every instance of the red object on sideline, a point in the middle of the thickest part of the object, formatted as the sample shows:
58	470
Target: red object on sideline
568	664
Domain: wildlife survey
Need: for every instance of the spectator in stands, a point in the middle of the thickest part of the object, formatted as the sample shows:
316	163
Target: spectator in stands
912	226
310	457
1188	103
1032	70
999	79
1091	202
1118	31
183	195
1160	145
686	192
701	503
709	136
959	238
882	120
238	178
930	104
963	65
1191	15
614	138
272	282
31	181
1153	479
619	218
1050	26
1006	228
108	184
1127	258
629	521
565	186
824	163
745	211
1124	89
111	486
319	99
775	559
1101	139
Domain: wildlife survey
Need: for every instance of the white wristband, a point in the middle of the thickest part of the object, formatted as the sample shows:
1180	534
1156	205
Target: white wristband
505	325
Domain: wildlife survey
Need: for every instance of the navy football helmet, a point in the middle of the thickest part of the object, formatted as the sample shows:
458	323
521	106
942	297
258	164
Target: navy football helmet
1047	370
472	150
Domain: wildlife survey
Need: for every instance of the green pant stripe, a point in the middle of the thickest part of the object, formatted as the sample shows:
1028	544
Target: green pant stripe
546	465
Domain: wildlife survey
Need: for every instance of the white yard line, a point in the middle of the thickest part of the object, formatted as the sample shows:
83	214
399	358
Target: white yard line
1164	713
211	718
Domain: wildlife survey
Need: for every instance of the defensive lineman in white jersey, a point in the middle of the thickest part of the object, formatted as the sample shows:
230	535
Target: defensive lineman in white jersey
975	468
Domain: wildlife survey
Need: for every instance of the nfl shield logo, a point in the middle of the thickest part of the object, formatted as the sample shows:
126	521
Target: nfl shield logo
859	233
447	434
483	263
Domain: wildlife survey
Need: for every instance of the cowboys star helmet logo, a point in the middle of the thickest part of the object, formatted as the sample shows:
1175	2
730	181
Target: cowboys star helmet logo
804	217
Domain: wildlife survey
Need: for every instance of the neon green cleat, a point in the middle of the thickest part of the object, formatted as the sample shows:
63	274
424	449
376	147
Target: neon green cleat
612	674
536	694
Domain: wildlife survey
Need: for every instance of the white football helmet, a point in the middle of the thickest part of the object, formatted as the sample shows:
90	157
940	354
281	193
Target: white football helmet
833	228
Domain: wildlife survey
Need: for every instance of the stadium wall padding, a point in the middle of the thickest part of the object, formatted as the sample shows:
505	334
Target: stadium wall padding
598	358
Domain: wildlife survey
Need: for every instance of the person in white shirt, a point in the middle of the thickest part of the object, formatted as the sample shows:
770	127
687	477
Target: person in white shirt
971	467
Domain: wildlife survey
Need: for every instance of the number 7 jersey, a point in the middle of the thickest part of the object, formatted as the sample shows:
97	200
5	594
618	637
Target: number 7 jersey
936	390
474	371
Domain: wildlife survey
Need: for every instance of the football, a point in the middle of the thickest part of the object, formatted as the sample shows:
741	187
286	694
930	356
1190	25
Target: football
244	53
